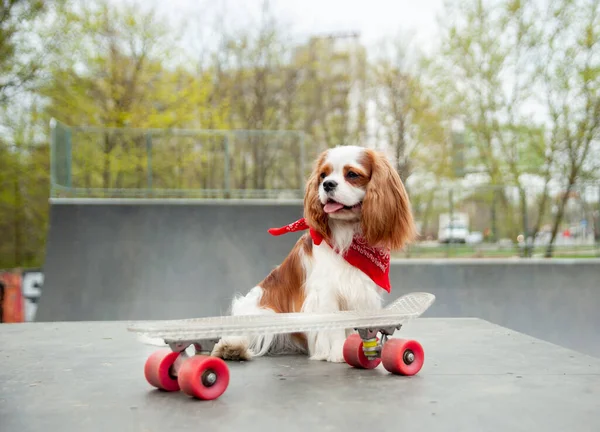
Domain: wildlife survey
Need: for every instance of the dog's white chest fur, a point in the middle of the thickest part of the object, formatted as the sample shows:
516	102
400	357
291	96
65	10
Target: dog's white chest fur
332	285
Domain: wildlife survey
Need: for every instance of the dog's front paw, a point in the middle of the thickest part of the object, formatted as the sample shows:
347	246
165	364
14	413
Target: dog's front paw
337	353
319	357
333	355
336	358
235	349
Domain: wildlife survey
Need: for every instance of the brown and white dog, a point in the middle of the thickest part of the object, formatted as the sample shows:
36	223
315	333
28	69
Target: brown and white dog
356	210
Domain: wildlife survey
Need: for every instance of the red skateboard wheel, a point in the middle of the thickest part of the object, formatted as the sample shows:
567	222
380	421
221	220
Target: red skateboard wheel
204	377
403	356
158	370
354	355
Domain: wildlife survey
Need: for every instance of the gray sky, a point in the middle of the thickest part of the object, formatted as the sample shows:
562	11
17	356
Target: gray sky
373	20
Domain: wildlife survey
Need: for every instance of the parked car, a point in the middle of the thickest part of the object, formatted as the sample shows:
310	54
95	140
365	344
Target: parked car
453	229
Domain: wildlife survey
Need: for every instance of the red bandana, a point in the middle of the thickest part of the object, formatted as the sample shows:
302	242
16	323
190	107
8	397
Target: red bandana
374	262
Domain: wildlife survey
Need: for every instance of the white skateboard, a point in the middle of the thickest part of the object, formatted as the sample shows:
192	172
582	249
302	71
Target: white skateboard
206	377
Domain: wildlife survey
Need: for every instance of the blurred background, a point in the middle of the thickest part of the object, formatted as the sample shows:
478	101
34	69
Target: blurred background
490	110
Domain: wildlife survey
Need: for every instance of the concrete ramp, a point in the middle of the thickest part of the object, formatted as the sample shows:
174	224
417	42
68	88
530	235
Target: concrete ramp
120	260
128	260
554	300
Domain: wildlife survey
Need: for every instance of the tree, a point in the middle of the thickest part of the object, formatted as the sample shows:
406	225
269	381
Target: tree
249	74
485	65
23	154
332	89
20	61
269	83
570	69
113	71
23	190
407	120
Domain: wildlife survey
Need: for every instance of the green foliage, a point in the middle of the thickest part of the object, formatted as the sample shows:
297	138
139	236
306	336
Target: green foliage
116	74
24	185
19	62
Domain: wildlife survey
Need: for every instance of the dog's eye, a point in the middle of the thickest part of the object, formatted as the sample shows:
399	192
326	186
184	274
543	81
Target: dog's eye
323	175
352	174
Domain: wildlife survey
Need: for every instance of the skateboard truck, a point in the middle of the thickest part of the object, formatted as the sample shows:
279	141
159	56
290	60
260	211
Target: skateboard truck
202	347
372	346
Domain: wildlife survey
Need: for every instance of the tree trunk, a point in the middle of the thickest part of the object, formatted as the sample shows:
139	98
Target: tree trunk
427	213
509	213
523	204
106	170
493	217
401	166
558	219
541	212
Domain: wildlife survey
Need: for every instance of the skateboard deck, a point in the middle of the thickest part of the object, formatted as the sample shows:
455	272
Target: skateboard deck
206	377
399	312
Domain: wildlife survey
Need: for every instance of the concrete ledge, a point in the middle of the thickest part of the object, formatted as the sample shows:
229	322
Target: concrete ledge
457	262
175	201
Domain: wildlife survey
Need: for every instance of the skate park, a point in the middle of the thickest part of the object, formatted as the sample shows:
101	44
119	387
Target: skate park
510	343
147	149
518	336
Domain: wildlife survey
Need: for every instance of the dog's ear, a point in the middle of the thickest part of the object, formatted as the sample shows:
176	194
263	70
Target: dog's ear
315	217
387	218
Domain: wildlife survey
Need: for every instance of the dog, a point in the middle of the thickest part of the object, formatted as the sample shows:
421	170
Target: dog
356	211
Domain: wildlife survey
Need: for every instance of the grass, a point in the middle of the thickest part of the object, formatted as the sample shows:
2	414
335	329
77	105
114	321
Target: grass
488	250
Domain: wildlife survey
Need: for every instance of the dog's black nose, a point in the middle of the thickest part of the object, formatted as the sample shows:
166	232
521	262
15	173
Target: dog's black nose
329	185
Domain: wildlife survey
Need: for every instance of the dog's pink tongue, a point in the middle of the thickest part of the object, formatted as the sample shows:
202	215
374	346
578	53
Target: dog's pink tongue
332	207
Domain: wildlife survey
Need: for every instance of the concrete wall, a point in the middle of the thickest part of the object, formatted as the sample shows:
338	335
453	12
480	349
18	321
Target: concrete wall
555	300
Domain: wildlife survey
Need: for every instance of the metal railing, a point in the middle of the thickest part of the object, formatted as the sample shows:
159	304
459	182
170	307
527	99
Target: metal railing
129	162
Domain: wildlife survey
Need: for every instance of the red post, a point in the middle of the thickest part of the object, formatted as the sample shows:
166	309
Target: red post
11	298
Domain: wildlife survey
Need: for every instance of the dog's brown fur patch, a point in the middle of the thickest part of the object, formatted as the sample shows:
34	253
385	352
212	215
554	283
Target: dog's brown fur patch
283	288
